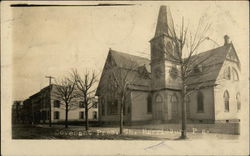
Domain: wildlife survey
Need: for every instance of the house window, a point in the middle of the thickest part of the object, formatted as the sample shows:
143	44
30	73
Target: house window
226	101
235	74
57	103
95	115
158	98
81	104
238	101
81	115
200	102
94	104
149	104
227	73
56	115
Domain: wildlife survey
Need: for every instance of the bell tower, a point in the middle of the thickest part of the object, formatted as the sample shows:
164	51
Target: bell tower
165	82
164	62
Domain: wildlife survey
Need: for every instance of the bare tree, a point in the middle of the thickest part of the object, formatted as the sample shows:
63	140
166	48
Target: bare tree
65	91
122	78
184	52
85	83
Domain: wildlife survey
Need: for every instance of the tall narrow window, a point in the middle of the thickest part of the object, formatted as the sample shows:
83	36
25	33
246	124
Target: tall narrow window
46	115
226	101
129	110
95	104
113	107
238	101
56	115
227	73
200	102
95	115
235	74
81	115
174	101
57	103
158	98
149	104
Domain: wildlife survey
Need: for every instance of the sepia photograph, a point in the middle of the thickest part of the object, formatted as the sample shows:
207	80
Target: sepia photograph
125	77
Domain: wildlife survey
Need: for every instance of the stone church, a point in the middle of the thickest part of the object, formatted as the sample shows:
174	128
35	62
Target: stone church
153	92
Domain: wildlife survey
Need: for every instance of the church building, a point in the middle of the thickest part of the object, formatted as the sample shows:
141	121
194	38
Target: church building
153	92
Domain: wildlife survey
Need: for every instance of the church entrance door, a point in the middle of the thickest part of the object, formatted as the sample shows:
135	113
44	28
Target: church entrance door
159	107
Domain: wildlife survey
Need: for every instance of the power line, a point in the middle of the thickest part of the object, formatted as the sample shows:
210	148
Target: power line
50	78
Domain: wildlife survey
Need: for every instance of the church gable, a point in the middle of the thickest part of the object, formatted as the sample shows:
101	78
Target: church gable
207	66
139	67
109	64
232	56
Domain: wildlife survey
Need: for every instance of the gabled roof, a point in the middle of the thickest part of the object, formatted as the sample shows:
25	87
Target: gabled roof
134	63
125	60
212	56
211	62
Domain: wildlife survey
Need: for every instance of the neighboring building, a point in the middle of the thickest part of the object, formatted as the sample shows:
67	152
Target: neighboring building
36	108
17	113
154	95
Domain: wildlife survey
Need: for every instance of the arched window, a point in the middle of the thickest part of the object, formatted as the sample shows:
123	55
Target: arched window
235	74
226	101
149	104
238	101
227	74
158	98
174	99
114	107
200	102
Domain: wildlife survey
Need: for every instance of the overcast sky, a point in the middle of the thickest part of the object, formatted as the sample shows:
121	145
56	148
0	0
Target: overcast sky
52	40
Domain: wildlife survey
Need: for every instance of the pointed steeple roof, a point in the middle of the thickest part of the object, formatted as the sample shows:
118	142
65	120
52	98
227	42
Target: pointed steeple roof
165	24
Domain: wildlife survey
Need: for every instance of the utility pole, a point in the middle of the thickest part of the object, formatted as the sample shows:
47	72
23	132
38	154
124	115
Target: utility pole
50	78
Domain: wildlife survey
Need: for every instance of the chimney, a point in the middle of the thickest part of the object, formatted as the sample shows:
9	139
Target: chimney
226	40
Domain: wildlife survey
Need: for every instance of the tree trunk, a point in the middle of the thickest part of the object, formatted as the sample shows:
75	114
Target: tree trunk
121	115
183	108
183	112
66	116
86	117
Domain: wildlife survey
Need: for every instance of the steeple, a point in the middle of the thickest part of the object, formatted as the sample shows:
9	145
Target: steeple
165	23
